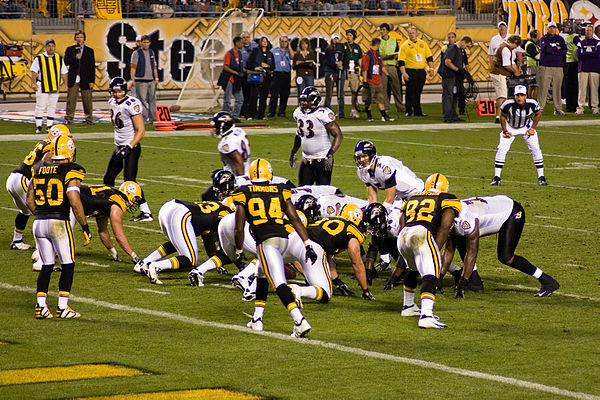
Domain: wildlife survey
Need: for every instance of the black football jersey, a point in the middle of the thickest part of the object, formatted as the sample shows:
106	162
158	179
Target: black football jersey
50	181
98	199
264	204
26	167
206	215
334	233
426	208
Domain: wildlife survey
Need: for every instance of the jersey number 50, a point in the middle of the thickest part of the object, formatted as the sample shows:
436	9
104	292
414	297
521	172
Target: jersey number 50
48	196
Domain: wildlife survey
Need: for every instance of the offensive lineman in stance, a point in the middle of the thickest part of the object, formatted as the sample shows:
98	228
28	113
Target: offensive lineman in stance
52	192
263	204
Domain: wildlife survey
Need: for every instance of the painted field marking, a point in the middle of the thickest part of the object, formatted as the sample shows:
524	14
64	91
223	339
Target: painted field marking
546	217
152	291
93	264
65	373
221	394
574	265
319	343
574	296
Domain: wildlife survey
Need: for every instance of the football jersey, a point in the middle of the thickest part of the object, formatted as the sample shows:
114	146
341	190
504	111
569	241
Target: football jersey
264	204
35	155
235	140
121	112
315	190
491	211
244	180
206	215
50	182
331	205
426	209
98	199
333	234
311	129
391	172
519	116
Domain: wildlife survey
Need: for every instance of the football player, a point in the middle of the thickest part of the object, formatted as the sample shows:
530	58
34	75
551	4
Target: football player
234	148
424	228
182	221
109	204
490	215
315	125
18	180
223	184
329	198
263	205
52	192
128	121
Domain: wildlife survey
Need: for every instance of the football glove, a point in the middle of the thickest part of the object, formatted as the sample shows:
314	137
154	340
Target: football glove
310	254
86	234
292	159
124	151
342	287
389	284
459	293
328	161
367	295
240	259
440	284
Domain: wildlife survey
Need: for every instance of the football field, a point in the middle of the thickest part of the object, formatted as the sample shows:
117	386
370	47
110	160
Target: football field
135	340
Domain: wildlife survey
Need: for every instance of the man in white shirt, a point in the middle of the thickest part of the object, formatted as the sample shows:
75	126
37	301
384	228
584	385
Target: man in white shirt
498	80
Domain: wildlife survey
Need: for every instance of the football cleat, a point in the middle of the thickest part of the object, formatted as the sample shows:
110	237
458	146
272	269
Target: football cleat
20	245
495	181
140	268
153	274
240	282
196	278
301	329
42	312
344	289
297	292
143	217
431	322
475	282
542	181
255	325
549	285
410	311
66	313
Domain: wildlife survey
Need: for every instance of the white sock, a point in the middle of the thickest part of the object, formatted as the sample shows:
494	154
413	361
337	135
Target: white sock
309	291
259	312
17	236
409	298
497	172
63	300
540	172
538	273
385	258
41	299
145	208
154	256
162	265
427	306
453	267
296	315
248	270
206	266
474	267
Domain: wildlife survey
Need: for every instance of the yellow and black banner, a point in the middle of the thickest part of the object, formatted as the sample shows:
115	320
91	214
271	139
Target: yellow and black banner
108	9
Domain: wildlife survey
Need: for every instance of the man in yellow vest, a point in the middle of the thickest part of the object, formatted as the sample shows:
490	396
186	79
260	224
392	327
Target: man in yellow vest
388	49
47	70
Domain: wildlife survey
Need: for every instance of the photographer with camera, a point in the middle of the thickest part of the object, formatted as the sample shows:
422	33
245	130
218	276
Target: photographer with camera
532	49
552	60
588	53
82	73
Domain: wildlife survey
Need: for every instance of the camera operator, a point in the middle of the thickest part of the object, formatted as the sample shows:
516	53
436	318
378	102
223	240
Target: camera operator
588	52
571	29
504	59
532	49
552	51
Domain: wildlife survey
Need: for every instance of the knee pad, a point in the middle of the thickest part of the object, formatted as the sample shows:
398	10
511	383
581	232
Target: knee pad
429	284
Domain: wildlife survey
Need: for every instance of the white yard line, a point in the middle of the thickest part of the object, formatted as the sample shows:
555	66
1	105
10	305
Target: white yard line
93	264
152	291
328	345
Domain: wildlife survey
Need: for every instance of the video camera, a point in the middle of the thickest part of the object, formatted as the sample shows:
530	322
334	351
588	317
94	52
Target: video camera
572	25
527	80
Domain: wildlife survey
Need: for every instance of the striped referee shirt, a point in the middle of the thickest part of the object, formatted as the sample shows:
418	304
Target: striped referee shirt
519	116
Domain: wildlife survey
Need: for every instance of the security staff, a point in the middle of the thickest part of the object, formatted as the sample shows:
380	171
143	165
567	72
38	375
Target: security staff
282	77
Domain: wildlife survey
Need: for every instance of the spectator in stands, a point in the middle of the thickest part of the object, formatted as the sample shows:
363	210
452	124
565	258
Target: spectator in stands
552	52
285	7
460	77
232	77
450	66
532	49
588	53
413	58
139	9
307	7
9	9
498	80
248	46
304	62
335	65
372	70
569	87
389	53
260	60
353	56
282	77
144	74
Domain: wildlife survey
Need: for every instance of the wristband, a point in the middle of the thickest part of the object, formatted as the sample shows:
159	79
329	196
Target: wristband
73	189
133	255
330	152
307	242
238	251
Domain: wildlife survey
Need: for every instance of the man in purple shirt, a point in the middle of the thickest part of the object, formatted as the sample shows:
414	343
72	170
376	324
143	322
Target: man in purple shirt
588	54
552	60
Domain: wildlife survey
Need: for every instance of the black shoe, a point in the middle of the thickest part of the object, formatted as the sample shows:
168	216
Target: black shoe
549	285
497	120
421	115
475	282
461	112
542	181
456	274
270	115
458	120
281	115
408	114
38	129
89	122
495	181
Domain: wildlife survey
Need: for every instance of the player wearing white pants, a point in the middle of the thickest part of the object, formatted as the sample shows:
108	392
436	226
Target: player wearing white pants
175	221
16	185
54	236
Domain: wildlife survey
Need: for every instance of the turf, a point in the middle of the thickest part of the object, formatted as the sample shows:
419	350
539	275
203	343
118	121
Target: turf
190	338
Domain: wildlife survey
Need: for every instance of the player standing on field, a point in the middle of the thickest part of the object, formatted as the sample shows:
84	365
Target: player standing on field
126	116
314	127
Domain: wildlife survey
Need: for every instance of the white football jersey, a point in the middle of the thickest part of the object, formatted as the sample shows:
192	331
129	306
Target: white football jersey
244	180
491	211
332	204
393	220
387	167
235	140
311	129
315	190
121	113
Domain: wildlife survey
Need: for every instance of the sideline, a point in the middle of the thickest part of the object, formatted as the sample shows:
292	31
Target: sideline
319	343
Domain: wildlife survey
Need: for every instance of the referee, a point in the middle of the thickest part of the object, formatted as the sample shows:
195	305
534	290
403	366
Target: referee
519	116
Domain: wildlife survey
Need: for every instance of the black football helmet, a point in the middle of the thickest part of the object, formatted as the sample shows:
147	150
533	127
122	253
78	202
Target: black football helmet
374	220
117	84
309	99
223	183
221	123
364	147
308	204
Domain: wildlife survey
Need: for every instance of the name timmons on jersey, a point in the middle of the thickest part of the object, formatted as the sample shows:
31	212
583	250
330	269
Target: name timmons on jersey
271	189
48	170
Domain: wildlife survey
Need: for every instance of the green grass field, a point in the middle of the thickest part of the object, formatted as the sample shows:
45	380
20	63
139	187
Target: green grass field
501	343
